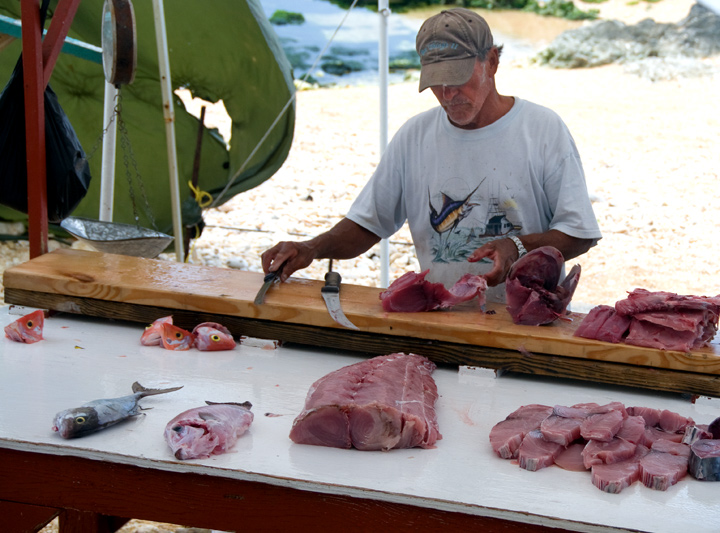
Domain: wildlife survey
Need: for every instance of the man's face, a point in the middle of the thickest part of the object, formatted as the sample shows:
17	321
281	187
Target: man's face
464	103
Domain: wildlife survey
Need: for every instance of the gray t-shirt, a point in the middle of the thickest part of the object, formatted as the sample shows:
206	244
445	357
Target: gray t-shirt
459	189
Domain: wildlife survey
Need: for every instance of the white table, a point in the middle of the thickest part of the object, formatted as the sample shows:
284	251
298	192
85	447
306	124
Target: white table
128	470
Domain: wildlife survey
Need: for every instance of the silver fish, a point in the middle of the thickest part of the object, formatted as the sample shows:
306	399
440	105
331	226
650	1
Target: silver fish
99	414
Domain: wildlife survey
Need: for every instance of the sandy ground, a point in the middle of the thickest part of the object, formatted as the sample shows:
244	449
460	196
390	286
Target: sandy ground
651	152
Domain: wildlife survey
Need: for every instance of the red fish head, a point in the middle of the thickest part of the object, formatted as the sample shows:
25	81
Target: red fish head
213	337
176	338
152	336
27	329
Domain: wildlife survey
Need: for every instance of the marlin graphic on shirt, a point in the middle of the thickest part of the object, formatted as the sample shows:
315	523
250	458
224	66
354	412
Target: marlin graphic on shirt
457	244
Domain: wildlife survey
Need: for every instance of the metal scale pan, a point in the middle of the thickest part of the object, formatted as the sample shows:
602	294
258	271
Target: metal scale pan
116	238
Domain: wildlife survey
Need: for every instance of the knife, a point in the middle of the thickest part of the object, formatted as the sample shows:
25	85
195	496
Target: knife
268	280
331	294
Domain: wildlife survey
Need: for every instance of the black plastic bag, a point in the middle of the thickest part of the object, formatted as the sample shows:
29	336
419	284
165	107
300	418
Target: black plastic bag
67	169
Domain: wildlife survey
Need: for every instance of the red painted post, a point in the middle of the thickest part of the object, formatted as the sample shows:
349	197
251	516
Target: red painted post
34	127
39	59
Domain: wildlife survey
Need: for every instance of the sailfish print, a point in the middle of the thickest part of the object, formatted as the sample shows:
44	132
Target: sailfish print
451	213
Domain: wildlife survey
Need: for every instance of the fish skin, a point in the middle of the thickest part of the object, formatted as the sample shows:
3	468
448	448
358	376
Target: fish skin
209	430
100	414
27	329
176	338
152	336
211	336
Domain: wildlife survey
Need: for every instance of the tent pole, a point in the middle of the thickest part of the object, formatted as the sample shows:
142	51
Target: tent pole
383	68
107	178
169	113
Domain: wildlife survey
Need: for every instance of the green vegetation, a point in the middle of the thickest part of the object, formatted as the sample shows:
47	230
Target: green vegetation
555	8
281	17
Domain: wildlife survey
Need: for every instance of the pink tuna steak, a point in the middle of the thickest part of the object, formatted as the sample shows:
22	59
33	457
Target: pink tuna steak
209	430
532	291
412	293
383	403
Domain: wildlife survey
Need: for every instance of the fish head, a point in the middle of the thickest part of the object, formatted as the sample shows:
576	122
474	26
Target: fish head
77	422
152	336
27	329
191	438
210	338
176	338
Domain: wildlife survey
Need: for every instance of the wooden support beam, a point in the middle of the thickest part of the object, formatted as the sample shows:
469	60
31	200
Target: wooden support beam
35	127
38	62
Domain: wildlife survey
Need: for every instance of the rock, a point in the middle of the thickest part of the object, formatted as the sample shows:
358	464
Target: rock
681	45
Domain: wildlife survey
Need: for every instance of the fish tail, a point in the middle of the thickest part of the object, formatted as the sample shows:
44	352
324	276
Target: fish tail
136	387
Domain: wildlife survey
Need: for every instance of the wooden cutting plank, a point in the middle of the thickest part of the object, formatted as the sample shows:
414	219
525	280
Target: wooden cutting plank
138	289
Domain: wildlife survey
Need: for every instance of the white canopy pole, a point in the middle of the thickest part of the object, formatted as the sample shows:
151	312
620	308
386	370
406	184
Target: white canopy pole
169	113
107	174
383	69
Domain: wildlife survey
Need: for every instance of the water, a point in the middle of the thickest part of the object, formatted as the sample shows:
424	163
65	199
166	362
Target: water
354	49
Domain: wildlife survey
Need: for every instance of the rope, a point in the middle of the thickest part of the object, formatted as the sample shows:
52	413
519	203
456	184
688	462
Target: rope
203	198
231	181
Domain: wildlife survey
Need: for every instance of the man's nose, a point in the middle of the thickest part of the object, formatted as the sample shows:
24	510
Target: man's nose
448	91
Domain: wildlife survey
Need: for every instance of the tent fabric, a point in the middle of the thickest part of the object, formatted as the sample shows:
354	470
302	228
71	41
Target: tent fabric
221	50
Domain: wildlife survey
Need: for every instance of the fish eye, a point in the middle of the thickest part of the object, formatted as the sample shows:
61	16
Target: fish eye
80	420
178	335
29	324
148	326
177	429
216	338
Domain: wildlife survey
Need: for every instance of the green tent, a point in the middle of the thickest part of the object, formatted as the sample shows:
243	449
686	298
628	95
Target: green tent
219	50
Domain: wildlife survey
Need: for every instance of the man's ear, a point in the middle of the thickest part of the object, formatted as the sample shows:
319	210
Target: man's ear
493	61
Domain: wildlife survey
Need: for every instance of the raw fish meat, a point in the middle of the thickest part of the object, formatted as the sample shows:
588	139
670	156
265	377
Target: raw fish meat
533	292
536	453
620	445
661	320
209	430
412	293
705	459
613	478
571	458
383	403
661	470
507	436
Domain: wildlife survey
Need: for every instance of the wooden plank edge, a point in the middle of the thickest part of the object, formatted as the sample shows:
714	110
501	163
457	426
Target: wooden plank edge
98	488
372	344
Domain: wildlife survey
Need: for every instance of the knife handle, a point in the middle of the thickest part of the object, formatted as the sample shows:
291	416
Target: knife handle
332	282
269	276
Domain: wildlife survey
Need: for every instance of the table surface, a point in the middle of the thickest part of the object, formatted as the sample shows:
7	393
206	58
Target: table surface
83	359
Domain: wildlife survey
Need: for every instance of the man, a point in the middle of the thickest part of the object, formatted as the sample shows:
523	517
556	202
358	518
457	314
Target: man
481	180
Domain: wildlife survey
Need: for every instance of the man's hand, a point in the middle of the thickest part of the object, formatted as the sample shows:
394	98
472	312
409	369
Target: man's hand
344	241
291	256
503	253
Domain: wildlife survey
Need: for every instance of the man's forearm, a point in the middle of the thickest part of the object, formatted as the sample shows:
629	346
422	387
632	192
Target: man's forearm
344	241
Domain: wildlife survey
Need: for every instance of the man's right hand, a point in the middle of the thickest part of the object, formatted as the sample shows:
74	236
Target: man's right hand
345	240
291	256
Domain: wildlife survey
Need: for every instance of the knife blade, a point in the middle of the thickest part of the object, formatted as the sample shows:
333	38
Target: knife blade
331	294
268	280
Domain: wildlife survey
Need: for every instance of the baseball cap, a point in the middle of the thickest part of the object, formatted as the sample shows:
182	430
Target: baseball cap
448	44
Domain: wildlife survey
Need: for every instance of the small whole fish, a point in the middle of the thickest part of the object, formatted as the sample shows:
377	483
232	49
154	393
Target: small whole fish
209	430
100	414
152	336
211	336
176	338
27	329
